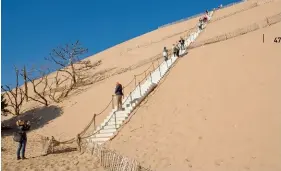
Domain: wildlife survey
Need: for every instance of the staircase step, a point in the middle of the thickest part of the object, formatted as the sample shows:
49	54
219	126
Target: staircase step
112	122
118	119
122	115
109	127
103	135
100	139
112	126
108	130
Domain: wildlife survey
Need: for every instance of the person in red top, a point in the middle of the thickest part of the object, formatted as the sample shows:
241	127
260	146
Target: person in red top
119	94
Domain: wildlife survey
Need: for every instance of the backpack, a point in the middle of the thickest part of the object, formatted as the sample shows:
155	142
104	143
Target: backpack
17	137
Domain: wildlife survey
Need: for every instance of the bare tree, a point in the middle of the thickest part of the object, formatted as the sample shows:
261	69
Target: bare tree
67	58
15	96
58	91
42	80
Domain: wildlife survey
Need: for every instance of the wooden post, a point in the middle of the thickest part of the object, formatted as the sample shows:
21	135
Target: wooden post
112	101
95	115
78	140
140	88
131	98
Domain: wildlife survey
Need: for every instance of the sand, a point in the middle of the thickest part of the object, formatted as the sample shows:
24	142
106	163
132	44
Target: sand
217	109
61	161
223	114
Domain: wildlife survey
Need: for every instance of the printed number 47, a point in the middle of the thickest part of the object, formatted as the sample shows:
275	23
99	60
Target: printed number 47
277	39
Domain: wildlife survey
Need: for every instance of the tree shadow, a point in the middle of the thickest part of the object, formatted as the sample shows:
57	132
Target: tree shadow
38	117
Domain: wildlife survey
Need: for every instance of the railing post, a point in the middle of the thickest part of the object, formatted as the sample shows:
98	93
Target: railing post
150	77
131	98
115	120
140	89
167	64
95	121
135	80
112	101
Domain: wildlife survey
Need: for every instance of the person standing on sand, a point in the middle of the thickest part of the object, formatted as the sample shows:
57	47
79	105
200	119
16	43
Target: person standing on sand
23	126
119	94
165	54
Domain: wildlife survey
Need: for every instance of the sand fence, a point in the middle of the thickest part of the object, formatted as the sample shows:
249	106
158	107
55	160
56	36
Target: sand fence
240	31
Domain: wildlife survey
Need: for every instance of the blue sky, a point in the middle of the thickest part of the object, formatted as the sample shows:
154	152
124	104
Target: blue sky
31	28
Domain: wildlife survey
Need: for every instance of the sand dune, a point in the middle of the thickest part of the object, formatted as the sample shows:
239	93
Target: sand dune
217	109
224	118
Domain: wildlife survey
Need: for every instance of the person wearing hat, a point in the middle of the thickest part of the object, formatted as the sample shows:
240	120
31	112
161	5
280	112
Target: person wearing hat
23	126
119	94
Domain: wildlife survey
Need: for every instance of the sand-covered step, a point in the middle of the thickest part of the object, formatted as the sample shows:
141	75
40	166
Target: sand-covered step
118	119
110	127
103	135
119	115
100	139
108	130
112	122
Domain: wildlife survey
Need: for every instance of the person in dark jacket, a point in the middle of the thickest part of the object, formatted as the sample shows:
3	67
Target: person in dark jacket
175	50
182	43
23	126
119	94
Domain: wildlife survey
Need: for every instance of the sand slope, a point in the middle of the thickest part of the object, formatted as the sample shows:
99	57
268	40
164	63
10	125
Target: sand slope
218	109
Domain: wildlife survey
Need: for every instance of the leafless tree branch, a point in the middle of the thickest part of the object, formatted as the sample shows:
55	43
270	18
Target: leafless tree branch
15	96
35	83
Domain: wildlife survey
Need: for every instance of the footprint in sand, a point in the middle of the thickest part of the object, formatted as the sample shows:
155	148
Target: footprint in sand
218	162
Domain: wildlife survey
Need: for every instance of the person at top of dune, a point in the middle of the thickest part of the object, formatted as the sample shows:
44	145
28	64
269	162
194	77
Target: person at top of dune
205	18
119	94
165	54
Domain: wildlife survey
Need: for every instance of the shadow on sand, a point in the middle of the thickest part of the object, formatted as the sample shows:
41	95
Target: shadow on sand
38	118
